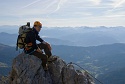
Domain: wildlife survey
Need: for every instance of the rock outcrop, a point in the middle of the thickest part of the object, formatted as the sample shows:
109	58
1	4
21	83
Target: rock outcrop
4	80
27	69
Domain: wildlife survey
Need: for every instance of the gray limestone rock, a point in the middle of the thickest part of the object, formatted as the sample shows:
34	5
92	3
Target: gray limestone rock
27	69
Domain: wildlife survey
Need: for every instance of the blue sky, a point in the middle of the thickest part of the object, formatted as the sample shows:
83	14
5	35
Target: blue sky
63	12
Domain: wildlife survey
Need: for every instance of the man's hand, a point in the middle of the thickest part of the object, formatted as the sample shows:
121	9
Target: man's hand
39	50
49	46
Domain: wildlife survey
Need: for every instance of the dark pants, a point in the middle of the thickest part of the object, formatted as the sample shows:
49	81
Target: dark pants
45	48
42	56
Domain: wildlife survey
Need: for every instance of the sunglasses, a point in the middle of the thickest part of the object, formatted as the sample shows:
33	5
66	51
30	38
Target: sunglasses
40	26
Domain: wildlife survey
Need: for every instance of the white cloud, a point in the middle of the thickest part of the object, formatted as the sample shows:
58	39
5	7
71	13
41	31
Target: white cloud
116	15
118	3
116	10
96	2
65	12
32	3
86	2
61	2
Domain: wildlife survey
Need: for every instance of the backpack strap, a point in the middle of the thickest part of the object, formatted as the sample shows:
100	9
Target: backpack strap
19	36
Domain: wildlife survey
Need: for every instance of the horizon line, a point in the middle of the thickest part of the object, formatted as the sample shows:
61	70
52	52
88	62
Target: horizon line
69	26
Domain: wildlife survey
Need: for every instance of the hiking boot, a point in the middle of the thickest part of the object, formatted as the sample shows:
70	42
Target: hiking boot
52	58
45	68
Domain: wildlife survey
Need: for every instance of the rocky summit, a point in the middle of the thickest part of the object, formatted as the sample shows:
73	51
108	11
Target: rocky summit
27	69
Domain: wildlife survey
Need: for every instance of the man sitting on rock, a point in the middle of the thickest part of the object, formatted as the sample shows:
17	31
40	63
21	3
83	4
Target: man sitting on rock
35	49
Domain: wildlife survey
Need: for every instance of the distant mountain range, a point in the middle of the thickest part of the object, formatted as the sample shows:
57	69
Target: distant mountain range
8	39
77	36
7	53
103	61
114	77
11	39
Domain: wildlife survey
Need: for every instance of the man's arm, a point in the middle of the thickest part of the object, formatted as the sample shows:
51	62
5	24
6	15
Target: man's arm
40	39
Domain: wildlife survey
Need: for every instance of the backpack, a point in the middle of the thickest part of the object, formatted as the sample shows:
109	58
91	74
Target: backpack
23	30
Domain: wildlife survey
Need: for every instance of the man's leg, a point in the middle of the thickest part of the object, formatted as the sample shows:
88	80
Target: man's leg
45	48
42	57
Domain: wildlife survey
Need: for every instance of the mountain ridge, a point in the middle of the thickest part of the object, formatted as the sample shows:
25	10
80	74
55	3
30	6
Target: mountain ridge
27	69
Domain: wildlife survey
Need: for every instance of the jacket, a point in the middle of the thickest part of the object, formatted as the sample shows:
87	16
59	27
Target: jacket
31	37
